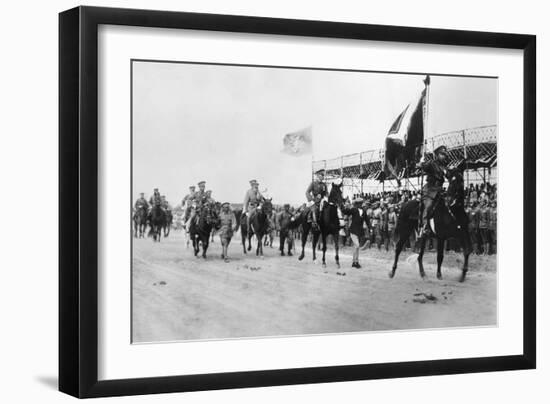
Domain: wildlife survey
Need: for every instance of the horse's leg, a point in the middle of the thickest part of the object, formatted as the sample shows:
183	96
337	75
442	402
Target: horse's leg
205	245
336	247
440	252
466	245
421	255
315	240
305	232
243	239
324	247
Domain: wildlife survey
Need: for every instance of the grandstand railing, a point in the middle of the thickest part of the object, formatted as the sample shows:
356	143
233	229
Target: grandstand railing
478	145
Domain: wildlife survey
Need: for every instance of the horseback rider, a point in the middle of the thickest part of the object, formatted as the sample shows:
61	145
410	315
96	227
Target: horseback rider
316	195
141	203
155	199
197	201
186	203
436	172
252	201
165	205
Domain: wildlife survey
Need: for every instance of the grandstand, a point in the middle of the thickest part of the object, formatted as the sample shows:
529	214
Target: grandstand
364	172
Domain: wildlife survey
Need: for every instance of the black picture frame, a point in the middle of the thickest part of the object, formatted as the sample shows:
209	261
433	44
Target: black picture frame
78	196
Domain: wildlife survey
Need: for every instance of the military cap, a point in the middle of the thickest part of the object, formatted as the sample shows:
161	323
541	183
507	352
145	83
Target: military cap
192	187
142	193
441	149
201	183
253	182
225	204
320	172
286	205
209	191
358	200
156	189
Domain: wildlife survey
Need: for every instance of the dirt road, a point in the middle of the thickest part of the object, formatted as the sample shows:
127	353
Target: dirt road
179	297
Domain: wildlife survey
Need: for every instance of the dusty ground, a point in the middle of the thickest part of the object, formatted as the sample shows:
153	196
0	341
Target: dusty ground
179	297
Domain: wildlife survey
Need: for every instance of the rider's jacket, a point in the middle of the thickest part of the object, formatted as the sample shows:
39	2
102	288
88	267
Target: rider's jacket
435	173
141	203
252	196
316	188
155	199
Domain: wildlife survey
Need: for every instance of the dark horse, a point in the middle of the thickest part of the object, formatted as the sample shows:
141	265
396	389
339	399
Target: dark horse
329	222
168	223
259	225
200	230
448	221
140	222
157	218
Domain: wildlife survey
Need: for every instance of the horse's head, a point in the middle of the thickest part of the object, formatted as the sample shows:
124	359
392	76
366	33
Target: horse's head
335	196
267	207
455	191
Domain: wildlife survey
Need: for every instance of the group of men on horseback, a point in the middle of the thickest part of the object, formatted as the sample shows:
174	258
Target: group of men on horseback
317	196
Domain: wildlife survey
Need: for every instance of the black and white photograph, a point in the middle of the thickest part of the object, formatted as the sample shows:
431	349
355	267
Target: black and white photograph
273	201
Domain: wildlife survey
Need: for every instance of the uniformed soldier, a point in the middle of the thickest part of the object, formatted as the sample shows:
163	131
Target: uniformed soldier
436	172
164	204
316	194
187	199
187	202
208	197
155	199
201	193
141	203
252	201
228	224
196	202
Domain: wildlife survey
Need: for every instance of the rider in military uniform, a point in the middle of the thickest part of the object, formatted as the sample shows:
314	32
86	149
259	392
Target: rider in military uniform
141	203
164	204
316	194
436	172
197	201
155	199
252	201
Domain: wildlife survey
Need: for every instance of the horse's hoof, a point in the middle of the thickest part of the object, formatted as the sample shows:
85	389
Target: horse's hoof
338	265
324	265
249	248
462	278
423	275
301	257
439	276
391	274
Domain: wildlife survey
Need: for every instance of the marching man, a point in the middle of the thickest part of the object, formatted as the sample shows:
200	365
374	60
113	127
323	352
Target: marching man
227	224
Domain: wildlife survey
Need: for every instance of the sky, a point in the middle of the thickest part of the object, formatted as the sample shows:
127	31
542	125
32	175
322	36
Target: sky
225	124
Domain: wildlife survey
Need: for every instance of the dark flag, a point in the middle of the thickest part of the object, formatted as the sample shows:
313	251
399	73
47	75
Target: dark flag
405	139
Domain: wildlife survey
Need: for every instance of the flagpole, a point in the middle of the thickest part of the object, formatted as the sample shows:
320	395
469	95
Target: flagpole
427	88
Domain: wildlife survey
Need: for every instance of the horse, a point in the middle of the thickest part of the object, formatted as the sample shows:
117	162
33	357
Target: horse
167	223
446	222
259	224
329	222
200	230
157	218
140	222
301	220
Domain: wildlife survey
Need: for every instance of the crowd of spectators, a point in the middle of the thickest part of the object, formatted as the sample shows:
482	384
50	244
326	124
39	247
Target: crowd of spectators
480	203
